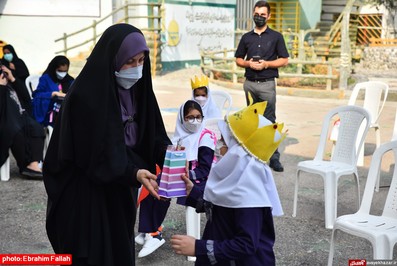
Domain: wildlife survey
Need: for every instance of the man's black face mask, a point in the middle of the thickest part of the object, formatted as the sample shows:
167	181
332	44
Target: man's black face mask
259	21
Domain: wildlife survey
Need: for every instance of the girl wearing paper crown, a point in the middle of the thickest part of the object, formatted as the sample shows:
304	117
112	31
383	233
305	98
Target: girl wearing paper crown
199	144
240	196
202	95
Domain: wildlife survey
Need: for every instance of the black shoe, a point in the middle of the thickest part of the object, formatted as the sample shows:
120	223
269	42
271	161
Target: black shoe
276	166
31	173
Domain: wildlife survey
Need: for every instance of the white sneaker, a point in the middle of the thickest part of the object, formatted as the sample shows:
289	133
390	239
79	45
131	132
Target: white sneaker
189	258
140	239
151	244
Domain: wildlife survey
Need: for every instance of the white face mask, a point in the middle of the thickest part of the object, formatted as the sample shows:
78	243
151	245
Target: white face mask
192	127
201	100
126	78
61	75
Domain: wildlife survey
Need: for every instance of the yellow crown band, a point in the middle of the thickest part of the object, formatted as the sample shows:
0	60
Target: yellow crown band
198	82
260	142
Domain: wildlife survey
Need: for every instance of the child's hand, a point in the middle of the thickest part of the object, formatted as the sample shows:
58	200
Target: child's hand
189	184
183	245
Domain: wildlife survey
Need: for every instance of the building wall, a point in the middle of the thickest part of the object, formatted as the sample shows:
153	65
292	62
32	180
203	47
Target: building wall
380	58
33	36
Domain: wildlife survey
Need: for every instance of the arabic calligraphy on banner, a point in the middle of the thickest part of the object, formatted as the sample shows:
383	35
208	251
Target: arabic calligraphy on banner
190	29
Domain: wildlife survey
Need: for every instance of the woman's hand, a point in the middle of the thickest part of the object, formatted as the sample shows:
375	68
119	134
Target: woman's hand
12	66
148	180
183	245
3	79
58	94
189	184
7	74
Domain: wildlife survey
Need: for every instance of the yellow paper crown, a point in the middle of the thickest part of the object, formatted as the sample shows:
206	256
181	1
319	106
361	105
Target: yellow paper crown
257	141
199	82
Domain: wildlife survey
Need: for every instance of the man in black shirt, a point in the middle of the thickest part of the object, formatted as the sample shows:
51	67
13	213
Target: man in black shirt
261	52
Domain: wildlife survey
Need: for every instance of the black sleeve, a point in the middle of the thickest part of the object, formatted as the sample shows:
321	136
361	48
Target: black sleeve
23	94
114	167
241	50
282	51
196	200
205	158
22	71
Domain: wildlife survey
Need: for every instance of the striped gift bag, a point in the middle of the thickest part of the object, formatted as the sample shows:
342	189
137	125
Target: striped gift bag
171	183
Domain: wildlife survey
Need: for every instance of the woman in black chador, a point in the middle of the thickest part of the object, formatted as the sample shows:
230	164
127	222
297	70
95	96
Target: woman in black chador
12	61
18	130
108	138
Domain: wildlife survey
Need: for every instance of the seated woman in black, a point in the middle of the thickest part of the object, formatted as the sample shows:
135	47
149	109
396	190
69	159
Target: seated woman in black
12	61
18	130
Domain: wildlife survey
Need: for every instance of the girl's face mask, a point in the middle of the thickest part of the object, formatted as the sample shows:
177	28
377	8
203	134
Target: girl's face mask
61	75
192	127
126	78
201	100
8	57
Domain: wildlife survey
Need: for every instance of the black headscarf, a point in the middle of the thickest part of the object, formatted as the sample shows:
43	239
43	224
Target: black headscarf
89	170
91	125
56	62
21	70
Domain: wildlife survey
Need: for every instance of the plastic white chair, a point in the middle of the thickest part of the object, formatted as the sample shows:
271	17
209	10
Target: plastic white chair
5	170
381	231
212	124
192	226
223	100
344	159
375	96
48	133
31	83
192	218
394	136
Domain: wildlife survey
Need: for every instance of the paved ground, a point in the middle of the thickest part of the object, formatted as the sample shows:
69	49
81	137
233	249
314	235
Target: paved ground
299	241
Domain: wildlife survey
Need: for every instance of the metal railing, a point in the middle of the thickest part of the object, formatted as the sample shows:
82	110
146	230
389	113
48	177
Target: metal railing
223	62
335	31
379	42
153	20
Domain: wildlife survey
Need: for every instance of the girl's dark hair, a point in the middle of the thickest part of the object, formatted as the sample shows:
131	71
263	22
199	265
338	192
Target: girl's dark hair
189	105
202	88
56	62
63	61
262	4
